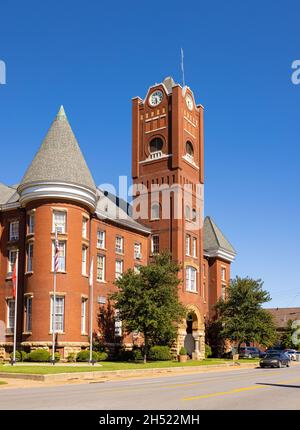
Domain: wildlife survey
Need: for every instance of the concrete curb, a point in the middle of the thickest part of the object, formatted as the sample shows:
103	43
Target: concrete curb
111	374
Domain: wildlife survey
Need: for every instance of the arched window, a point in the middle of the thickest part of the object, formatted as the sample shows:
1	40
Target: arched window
189	149
187	212
156	144
155	211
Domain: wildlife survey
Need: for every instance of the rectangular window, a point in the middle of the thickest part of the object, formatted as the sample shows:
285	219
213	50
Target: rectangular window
59	221
194	247
28	324
100	268
83	315
137	251
204	271
14	230
10	314
61	256
223	273
118	323
59	314
84	227
191	279
31	220
119	268
223	291
100	239
155	244
119	244
29	257
83	260
12	257
188	244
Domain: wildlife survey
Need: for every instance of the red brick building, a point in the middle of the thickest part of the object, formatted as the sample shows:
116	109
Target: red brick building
58	190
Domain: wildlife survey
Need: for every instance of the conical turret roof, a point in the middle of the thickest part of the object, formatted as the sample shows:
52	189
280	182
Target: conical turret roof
59	158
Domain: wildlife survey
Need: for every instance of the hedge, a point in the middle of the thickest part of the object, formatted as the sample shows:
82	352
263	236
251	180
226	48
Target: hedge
160	353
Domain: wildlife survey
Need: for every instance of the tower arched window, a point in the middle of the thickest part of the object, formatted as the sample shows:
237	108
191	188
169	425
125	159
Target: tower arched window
155	211
156	144
189	149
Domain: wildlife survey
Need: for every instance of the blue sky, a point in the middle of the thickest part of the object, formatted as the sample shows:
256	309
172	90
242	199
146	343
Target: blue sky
93	57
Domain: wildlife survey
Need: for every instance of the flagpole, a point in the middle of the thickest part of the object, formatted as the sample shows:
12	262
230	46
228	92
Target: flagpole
182	67
91	309
16	310
54	301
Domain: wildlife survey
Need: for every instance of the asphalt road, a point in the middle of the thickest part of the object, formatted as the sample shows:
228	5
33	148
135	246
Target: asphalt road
236	389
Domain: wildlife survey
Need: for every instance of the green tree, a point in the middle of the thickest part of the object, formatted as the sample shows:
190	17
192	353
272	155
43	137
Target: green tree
148	301
241	315
288	341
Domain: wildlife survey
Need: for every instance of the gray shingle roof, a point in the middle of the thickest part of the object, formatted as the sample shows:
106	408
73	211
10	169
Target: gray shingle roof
214	239
6	194
59	158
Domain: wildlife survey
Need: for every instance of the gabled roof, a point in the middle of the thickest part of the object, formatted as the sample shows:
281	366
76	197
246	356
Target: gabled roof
6	194
59	158
215	243
283	315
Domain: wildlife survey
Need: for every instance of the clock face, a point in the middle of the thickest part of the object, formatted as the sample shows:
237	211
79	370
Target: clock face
155	98
189	102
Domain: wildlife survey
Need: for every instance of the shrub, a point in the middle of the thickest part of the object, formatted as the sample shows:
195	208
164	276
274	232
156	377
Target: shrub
102	356
137	355
85	355
183	351
20	355
56	356
39	355
160	353
208	352
71	357
98	346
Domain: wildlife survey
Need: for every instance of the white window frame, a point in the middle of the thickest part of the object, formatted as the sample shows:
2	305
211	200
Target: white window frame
14	230
119	265
61	226
188	244
223	274
155	244
60	305
84	227
31	223
84	260
10	317
28	321
101	239
11	261
61	267
83	315
118	324
119	244
137	250
29	263
191	279
100	270
194	246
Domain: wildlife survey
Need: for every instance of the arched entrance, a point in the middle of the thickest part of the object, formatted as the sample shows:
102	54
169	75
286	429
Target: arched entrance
191	334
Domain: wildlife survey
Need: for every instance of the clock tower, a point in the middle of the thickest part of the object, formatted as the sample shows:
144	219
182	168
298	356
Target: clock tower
168	169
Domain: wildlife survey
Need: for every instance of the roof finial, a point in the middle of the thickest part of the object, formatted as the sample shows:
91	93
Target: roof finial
61	113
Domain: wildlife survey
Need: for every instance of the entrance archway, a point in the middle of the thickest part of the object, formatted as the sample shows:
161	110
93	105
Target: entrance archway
191	334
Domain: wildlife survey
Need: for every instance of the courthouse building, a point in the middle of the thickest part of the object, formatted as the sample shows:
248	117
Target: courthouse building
58	190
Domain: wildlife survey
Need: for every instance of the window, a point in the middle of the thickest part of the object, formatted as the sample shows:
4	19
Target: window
223	273
83	315
28	321
155	244
100	268
155	211
119	244
204	291
119	268
187	244
156	144
59	314
31	220
189	149
137	251
118	323
83	260
61	256
194	247
191	279
10	323
29	257
100	239
59	221
223	291
137	269
204	271
14	230
84	227
194	215
187	213
12	258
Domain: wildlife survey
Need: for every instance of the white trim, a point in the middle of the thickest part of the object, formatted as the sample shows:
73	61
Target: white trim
221	253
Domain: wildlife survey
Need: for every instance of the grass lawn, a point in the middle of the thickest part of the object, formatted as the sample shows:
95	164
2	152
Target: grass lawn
106	366
3	382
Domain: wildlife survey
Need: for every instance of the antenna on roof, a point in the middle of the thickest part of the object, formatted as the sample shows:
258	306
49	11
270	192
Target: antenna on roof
182	66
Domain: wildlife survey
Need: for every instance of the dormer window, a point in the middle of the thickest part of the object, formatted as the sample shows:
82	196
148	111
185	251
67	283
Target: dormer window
189	150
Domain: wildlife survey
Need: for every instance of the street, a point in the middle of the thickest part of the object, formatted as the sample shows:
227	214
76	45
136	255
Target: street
236	389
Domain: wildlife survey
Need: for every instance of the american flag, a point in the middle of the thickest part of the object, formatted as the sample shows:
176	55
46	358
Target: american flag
56	252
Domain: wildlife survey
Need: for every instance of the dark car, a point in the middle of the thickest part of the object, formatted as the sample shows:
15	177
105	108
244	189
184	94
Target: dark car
249	352
275	359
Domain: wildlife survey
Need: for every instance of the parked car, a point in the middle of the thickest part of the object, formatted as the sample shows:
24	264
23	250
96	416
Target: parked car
275	359
292	353
249	352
